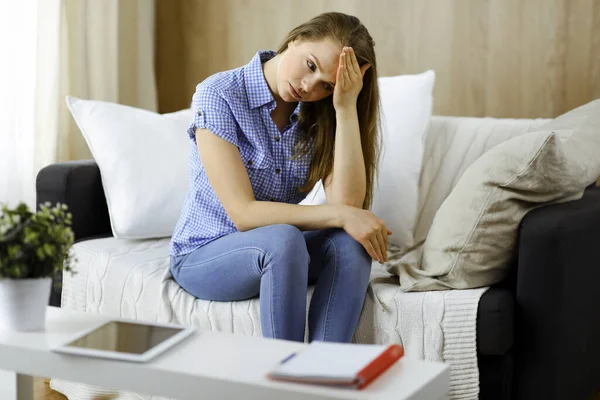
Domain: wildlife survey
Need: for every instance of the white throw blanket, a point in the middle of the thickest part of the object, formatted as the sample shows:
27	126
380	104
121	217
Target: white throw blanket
435	326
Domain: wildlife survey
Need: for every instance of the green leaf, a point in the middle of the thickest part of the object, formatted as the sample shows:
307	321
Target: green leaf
49	249
35	244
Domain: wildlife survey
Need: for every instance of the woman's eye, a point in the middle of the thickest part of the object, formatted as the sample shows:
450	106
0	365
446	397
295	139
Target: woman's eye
311	66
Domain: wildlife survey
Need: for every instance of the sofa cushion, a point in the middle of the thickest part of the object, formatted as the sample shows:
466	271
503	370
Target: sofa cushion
474	233
452	145
142	158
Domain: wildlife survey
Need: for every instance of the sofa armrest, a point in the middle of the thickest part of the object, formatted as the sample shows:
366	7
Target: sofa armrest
78	185
558	301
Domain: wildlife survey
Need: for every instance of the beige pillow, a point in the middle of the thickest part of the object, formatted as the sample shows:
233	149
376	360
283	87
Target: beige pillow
473	235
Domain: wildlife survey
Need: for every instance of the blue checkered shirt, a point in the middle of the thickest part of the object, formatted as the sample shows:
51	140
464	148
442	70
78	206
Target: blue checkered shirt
236	105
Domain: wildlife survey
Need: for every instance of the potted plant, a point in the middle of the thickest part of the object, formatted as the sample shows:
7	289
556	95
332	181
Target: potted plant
33	247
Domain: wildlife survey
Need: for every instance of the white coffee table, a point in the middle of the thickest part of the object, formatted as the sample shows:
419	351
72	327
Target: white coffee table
207	365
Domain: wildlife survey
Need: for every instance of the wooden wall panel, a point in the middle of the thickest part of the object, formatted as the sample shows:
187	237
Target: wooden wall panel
503	58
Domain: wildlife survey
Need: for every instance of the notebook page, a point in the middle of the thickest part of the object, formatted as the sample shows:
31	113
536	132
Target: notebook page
331	360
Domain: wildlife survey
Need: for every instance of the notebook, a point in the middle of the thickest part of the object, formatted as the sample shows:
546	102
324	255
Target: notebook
337	364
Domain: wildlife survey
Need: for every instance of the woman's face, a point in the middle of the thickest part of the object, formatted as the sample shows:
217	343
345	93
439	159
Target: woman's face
307	71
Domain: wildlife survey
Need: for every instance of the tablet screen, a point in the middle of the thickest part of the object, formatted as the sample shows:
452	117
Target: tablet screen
125	337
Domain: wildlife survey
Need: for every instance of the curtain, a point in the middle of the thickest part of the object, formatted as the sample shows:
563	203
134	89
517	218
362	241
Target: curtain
17	99
100	50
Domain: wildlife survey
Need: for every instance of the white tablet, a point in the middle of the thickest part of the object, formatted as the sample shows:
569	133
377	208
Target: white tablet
126	340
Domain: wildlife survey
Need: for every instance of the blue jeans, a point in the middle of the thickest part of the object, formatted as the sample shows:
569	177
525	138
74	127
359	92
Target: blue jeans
277	263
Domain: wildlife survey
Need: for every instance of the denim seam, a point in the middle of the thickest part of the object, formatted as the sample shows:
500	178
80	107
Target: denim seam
269	262
221	255
333	285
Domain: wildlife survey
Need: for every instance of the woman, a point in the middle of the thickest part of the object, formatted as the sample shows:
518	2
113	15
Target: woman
263	135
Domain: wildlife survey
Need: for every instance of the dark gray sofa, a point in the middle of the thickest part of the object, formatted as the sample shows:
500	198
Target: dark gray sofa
538	332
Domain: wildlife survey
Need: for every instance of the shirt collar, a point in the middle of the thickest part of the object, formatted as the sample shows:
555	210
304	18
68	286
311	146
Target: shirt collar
257	90
294	115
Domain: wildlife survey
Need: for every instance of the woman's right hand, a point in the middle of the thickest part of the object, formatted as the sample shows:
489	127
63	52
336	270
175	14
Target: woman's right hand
367	229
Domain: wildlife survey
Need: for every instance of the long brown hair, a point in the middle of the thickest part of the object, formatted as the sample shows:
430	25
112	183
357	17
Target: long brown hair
318	118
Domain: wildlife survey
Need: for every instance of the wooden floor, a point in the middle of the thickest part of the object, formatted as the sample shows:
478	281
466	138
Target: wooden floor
42	391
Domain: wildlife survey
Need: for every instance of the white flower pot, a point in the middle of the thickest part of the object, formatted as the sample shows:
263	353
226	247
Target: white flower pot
23	303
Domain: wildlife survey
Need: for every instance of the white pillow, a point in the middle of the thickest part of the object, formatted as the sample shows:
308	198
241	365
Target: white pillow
406	107
144	163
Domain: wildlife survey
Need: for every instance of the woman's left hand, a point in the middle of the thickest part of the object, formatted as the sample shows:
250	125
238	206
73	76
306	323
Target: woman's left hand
349	80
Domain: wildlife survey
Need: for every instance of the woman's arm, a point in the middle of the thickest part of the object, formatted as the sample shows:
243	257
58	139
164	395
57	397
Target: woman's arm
232	187
347	182
228	177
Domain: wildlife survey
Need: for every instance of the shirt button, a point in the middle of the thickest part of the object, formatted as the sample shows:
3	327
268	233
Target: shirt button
199	113
277	138
277	170
249	162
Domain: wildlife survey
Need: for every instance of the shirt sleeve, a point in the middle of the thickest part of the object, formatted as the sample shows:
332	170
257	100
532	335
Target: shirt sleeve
212	112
